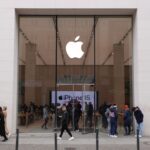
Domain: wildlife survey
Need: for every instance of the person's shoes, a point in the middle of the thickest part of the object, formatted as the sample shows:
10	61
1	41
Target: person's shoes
140	136
8	135
115	136
4	140
59	138
71	138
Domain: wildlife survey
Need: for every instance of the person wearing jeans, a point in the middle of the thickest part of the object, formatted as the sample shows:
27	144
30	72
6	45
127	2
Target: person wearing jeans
113	121
139	119
140	128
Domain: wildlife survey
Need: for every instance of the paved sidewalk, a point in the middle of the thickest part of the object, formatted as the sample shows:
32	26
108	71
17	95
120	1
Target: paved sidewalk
39	141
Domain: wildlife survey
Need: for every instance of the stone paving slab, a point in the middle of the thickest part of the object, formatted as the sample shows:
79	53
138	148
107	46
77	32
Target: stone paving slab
81	142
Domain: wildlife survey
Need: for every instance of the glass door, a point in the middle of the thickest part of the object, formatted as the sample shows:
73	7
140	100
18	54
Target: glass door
75	70
79	100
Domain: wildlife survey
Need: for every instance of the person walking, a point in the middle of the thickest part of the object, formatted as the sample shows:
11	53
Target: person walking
2	125
65	124
139	117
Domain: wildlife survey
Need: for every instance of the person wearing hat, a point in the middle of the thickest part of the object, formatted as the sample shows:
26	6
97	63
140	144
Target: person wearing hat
127	117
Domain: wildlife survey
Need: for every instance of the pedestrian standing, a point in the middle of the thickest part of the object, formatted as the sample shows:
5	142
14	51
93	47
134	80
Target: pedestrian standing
139	119
45	117
108	119
65	124
113	121
90	114
127	117
5	119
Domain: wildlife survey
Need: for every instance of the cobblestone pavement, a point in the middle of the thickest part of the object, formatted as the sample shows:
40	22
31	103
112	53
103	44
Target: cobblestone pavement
39	141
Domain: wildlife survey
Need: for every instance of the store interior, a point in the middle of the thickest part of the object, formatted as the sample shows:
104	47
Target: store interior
47	73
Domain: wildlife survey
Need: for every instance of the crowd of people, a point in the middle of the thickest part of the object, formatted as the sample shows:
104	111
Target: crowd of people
3	124
110	115
75	113
34	112
69	114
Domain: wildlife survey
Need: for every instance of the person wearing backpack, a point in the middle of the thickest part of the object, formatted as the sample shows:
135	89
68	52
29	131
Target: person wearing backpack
113	121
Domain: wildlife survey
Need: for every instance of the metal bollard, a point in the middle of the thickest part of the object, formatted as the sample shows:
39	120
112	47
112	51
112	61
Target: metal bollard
97	139
55	141
138	140
17	139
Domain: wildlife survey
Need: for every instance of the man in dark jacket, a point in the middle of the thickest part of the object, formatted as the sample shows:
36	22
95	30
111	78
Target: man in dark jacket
139	119
2	125
65	124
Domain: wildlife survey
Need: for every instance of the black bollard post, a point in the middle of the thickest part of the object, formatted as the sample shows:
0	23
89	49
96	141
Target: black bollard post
55	141
138	140
17	139
97	139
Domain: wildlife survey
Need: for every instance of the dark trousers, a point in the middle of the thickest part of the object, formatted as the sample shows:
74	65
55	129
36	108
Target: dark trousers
89	120
76	121
65	127
70	120
113	126
127	127
5	137
3	132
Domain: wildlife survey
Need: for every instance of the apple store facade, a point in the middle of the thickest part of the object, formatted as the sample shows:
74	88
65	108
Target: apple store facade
70	59
67	52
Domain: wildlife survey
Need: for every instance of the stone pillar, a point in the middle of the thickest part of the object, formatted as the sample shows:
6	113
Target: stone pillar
119	90
30	73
